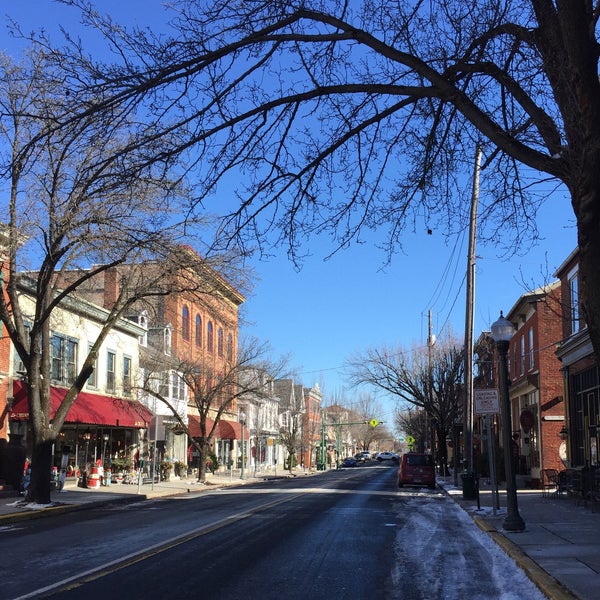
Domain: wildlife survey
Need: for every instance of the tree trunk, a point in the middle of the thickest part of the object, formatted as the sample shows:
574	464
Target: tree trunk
41	466
442	451
202	458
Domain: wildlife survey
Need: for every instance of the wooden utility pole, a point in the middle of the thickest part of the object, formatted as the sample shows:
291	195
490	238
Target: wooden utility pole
468	416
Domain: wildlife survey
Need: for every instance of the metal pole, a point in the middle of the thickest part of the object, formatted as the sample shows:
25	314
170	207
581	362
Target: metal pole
243	453
513	520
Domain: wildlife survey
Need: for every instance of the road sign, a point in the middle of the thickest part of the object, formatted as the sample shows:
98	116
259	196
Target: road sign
373	422
486	402
410	440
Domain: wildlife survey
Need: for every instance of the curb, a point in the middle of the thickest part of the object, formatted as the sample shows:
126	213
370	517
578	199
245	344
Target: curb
547	584
60	509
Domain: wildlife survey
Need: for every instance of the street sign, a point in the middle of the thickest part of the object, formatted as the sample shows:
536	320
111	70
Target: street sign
410	440
373	422
486	402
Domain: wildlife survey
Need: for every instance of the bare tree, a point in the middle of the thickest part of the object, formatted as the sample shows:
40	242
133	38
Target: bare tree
71	206
368	409
214	392
344	116
428	379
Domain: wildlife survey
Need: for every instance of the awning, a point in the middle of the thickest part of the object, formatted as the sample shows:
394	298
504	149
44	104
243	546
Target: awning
225	430
90	409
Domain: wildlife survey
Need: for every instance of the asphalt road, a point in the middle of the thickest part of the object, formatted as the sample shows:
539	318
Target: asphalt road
351	534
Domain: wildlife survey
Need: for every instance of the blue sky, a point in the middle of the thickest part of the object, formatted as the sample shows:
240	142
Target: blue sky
333	309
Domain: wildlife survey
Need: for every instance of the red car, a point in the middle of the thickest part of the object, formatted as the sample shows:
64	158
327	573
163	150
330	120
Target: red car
416	469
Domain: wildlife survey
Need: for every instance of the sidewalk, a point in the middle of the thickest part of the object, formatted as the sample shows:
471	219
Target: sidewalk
72	498
559	549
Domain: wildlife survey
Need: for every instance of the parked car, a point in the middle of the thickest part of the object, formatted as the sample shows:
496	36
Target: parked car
387	456
363	456
416	469
349	462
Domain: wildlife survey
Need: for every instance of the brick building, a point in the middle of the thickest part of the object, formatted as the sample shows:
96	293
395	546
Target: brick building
195	321
580	373
311	426
536	389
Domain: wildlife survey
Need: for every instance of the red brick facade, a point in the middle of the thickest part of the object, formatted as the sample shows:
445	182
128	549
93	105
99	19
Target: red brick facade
536	389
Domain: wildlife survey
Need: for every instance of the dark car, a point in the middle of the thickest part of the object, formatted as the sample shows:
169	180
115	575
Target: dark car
349	462
362	456
416	469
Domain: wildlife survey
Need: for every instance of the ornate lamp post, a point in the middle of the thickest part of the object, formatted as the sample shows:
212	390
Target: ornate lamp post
87	436
502	332
243	421
105	437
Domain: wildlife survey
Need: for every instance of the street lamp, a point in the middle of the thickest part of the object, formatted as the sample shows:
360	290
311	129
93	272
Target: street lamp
502	332
242	418
105	437
86	436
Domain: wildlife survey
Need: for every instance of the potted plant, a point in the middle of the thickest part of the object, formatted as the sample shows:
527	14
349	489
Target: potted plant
165	470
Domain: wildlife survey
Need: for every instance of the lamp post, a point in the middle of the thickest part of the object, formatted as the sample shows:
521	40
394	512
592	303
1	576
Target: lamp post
105	438
502	332
243	421
86	436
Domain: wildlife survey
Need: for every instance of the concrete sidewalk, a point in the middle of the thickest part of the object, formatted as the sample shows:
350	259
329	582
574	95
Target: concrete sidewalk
559	549
560	546
72	497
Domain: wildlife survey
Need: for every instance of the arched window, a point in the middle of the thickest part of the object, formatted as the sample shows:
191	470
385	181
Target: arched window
209	337
220	341
185	323
199	331
229	347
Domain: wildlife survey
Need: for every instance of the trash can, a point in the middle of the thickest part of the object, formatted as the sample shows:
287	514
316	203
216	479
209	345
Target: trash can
470	484
320	466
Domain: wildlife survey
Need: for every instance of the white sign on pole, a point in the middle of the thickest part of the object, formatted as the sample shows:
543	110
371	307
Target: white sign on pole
487	402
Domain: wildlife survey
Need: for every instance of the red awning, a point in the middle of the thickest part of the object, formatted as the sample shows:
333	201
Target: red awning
226	430
91	409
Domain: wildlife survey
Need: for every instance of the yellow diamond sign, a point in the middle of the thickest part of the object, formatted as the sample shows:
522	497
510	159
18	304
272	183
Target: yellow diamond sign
373	422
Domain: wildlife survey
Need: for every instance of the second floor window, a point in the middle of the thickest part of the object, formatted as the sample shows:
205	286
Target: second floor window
574	301
185	323
220	342
93	378
229	347
111	360
63	368
198	331
126	375
522	342
531	352
209	337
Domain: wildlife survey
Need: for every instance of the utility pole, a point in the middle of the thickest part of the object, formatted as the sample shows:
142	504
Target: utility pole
430	344
468	416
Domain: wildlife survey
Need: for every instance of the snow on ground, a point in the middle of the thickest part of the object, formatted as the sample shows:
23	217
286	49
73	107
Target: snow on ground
442	555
